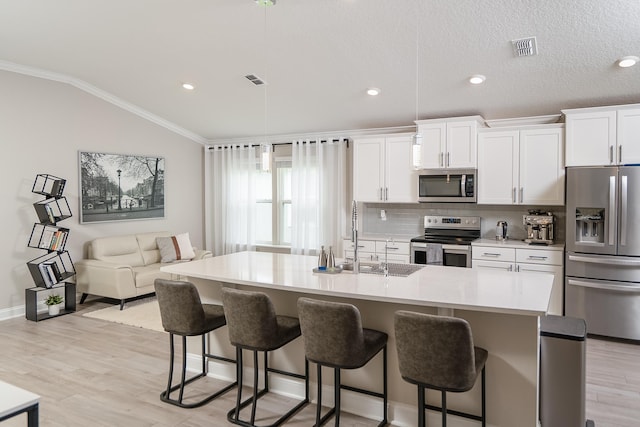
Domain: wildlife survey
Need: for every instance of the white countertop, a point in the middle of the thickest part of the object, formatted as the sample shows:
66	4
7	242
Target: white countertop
14	399
517	244
434	286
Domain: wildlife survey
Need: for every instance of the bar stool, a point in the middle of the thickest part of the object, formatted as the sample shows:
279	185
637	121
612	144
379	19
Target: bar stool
254	326
334	337
183	314
437	352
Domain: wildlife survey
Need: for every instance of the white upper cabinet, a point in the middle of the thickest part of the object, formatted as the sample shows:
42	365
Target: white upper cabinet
449	143
603	136
521	166
382	170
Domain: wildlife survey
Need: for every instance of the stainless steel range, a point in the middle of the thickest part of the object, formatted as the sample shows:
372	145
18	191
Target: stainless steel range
446	241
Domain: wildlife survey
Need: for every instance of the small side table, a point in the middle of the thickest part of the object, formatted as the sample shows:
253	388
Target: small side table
15	401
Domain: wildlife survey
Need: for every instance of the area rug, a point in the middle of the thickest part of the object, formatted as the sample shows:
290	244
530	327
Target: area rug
143	314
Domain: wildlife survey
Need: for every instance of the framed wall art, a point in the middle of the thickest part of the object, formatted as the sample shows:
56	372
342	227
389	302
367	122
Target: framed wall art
120	187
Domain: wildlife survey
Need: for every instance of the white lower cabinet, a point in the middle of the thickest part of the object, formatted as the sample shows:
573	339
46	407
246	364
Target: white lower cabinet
373	251
525	260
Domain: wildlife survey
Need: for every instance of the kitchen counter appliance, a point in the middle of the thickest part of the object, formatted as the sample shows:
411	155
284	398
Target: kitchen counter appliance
539	227
446	241
602	279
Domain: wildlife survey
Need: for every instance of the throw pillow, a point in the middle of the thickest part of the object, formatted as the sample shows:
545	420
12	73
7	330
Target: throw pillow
175	248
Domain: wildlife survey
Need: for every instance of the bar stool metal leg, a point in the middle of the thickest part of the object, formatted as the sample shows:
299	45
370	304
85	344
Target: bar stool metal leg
421	406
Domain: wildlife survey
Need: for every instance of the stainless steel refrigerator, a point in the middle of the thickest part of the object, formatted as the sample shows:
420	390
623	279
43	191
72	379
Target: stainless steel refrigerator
602	270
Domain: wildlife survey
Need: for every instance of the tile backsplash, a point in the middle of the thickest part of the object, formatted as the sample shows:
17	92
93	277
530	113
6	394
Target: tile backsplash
406	220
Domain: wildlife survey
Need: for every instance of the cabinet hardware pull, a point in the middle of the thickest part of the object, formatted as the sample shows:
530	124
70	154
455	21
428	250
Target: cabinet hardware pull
510	268
392	248
490	254
441	159
448	159
538	257
381	194
513	196
611	154
386	193
620	154
521	194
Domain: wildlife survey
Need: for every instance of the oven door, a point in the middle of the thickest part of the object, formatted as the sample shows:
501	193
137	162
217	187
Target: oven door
456	255
426	253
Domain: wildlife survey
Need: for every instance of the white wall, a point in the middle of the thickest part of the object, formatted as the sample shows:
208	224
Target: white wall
43	125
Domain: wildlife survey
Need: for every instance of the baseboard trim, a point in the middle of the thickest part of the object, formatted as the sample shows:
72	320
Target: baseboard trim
12	312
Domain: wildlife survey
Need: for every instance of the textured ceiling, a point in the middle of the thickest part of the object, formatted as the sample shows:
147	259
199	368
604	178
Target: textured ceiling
319	56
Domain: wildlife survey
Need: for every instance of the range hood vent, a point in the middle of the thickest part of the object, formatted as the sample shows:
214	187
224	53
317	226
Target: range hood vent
255	79
525	47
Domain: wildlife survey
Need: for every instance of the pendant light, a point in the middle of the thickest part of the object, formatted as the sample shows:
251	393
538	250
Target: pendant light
265	147
416	145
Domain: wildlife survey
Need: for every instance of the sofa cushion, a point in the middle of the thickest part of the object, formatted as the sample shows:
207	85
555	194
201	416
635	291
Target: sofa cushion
149	247
176	248
147	274
117	249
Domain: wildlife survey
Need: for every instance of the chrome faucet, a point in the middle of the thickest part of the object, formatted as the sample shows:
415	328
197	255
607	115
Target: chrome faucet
354	236
385	268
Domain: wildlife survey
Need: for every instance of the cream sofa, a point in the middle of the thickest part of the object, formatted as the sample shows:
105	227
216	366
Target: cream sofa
123	267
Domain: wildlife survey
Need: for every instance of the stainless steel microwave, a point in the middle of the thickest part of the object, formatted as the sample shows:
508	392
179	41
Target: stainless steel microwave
447	185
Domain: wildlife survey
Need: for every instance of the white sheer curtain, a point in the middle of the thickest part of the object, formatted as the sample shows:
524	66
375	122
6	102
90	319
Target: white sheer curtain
318	199
233	203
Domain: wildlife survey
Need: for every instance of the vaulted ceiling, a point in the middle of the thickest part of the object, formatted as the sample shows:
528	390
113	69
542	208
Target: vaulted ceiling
319	57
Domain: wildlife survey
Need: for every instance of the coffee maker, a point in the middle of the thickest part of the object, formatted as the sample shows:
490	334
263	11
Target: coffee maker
539	227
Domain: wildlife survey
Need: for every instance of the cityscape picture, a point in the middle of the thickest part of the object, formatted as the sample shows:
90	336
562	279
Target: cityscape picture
116	187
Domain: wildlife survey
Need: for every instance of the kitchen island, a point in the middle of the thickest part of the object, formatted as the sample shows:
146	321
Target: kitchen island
502	308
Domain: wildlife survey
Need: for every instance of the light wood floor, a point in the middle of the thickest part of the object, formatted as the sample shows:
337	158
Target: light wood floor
91	372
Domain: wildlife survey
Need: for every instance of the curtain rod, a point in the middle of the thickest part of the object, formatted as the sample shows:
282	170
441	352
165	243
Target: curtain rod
225	146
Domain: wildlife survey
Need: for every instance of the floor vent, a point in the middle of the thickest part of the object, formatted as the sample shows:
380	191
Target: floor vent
525	47
255	79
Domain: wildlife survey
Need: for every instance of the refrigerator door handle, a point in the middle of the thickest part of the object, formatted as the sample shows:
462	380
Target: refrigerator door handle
612	209
606	261
607	286
623	210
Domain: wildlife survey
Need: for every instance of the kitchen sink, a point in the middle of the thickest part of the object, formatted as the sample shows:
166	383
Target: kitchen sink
395	269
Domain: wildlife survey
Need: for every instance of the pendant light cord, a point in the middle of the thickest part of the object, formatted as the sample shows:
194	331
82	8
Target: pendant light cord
265	74
417	60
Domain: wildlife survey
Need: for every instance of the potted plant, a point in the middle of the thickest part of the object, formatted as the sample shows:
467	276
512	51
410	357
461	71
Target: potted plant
54	301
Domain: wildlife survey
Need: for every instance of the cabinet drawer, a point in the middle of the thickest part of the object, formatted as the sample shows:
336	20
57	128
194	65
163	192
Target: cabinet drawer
363	245
493	254
539	256
401	248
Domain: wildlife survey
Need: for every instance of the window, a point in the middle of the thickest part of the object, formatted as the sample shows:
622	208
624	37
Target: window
274	218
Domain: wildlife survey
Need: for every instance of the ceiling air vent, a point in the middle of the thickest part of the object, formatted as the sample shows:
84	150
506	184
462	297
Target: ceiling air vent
525	47
255	79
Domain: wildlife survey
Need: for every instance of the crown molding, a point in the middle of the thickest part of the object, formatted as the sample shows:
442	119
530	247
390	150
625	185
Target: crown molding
104	95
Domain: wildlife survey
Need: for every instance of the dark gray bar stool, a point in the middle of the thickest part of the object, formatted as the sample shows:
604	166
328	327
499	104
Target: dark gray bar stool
183	314
437	352
334	337
254	326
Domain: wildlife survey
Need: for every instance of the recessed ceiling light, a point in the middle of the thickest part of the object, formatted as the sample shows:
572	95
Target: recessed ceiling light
188	86
477	79
628	61
373	91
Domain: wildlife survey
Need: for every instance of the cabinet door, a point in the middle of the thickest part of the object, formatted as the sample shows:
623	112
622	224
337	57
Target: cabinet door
497	167
401	179
433	144
556	302
368	169
461	144
629	136
590	138
541	167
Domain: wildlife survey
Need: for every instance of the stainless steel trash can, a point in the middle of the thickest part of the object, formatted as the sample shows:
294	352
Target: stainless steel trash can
562	371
